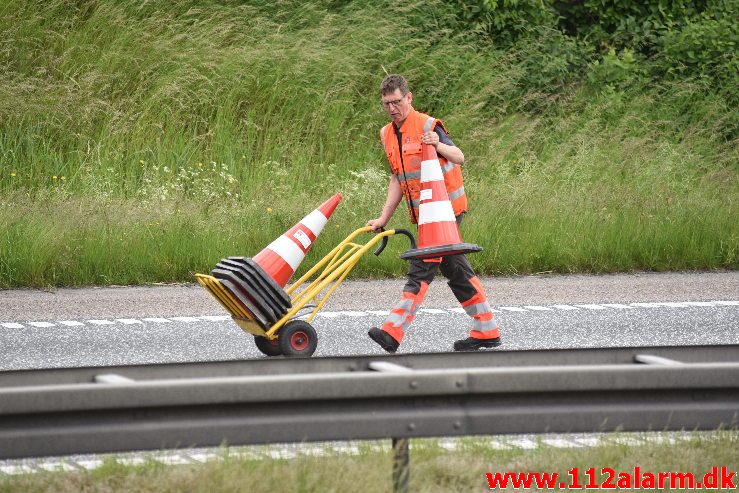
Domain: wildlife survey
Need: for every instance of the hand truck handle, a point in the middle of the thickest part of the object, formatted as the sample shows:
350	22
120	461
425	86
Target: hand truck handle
405	232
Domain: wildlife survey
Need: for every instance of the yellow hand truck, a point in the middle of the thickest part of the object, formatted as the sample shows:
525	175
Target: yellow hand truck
293	335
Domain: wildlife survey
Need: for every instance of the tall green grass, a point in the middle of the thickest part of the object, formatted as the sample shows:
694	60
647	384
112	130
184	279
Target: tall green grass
141	142
432	468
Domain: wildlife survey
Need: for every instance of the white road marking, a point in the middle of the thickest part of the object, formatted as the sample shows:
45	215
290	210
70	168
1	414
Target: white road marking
628	440
588	441
447	444
133	461
328	314
203	456
90	464
173	460
55	466
345	449
564	307
354	314
499	445
17	469
560	443
524	443
367	313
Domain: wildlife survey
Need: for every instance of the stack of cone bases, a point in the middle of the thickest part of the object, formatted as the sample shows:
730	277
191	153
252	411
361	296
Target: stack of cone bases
438	232
258	282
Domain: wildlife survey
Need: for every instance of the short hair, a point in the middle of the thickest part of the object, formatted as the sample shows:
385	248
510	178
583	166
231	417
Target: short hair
392	82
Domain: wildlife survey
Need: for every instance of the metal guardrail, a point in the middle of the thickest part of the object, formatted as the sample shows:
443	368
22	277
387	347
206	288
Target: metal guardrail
95	410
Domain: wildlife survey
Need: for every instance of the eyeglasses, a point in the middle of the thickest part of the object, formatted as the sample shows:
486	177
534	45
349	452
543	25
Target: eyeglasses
395	103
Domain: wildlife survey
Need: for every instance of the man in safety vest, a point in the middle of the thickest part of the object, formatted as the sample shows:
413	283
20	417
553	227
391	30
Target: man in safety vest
402	139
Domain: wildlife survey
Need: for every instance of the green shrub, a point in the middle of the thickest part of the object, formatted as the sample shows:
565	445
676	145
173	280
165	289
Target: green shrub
629	23
615	70
505	21
549	60
703	48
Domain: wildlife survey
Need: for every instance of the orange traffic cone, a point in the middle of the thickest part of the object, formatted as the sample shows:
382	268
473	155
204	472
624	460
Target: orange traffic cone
281	258
438	233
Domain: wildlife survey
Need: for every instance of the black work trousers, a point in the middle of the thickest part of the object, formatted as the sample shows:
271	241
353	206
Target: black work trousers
456	268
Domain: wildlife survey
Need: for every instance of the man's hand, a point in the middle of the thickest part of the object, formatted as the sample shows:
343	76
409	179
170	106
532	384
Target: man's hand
376	224
450	153
430	138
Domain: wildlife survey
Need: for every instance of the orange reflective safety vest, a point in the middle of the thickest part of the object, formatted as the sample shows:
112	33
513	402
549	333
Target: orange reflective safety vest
407	168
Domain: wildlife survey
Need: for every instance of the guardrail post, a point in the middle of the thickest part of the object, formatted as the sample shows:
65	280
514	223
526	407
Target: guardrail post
401	452
401	465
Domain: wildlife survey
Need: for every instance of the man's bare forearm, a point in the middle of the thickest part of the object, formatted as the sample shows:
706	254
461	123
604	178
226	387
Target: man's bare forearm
394	196
450	153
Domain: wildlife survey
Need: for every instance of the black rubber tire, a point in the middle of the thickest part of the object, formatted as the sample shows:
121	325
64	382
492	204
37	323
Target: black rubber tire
298	339
268	347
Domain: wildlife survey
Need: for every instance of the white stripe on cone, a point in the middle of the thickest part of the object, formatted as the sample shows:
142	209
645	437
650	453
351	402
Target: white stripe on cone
431	171
288	251
315	221
434	212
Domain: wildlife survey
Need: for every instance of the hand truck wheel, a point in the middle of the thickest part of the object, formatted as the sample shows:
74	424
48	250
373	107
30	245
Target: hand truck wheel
298	338
270	347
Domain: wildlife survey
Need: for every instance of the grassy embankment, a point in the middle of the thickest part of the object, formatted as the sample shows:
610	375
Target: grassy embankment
432	468
142	142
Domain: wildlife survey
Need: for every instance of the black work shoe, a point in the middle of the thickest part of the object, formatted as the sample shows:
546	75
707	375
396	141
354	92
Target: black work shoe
473	344
385	340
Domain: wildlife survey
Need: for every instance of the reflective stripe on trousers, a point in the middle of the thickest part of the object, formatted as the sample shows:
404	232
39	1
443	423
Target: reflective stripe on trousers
466	287
463	282
403	313
484	325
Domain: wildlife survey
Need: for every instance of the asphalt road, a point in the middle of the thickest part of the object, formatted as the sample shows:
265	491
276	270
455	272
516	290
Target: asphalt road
177	323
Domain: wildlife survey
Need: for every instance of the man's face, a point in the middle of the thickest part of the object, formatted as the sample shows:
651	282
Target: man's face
397	105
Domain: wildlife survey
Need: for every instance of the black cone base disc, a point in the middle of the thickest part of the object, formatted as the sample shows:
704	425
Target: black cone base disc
256	299
440	251
261	294
264	279
250	307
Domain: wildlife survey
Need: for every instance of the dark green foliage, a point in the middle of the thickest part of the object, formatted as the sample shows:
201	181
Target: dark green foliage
629	23
705	47
549	60
506	21
615	70
614	43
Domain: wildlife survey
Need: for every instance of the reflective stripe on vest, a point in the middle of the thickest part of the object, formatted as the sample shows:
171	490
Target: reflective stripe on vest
416	175
411	175
408	170
456	194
